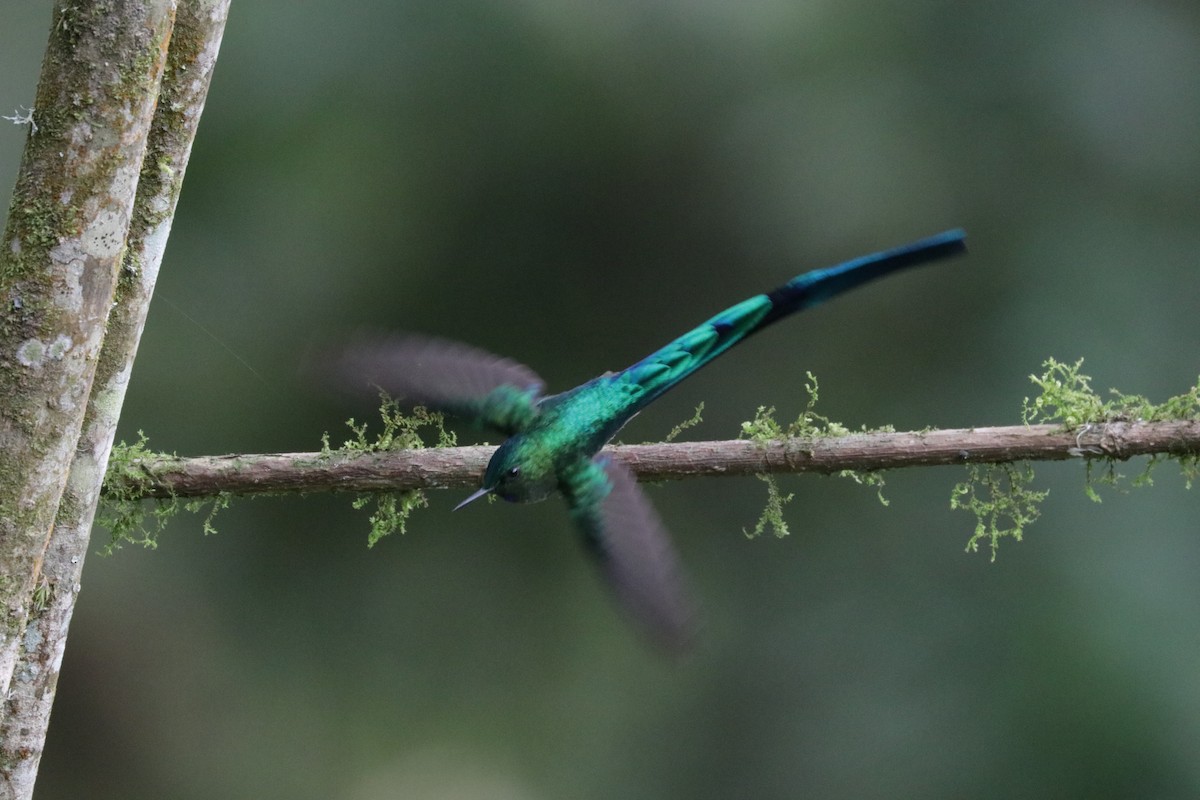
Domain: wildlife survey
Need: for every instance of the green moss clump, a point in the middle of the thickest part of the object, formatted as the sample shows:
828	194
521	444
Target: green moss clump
391	512
1067	397
772	515
401	431
809	425
123	511
1001	500
695	420
999	495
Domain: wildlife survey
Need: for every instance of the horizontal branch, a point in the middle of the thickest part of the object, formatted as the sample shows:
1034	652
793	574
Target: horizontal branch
461	467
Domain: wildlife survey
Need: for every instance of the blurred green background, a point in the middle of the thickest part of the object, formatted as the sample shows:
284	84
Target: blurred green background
574	184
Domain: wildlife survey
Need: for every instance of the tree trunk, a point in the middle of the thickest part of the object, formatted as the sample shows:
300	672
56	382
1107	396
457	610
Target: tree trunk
115	115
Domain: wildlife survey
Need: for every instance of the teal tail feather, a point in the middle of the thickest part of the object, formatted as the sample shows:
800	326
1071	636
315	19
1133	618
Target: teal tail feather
649	378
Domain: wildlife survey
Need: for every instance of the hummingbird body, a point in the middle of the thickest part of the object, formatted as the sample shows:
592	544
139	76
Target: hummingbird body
553	441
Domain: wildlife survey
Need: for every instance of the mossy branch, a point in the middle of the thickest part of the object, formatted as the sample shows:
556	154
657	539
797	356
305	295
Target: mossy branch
394	468
163	476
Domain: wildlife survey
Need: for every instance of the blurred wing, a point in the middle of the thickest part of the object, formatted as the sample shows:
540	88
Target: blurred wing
622	530
443	375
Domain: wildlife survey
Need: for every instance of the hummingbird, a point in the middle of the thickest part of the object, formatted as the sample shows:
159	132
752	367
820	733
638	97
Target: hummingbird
554	441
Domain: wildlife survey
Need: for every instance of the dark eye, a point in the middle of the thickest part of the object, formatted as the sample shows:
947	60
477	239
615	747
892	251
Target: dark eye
514	472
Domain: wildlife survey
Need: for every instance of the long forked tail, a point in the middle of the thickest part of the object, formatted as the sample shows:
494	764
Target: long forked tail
664	368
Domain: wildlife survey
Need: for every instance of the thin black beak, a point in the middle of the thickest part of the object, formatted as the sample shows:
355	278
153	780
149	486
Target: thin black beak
474	496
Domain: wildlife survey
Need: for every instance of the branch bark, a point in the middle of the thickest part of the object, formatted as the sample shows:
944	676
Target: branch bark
194	36
461	467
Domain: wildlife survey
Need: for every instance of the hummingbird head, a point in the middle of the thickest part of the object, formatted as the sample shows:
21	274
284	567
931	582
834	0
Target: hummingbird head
517	474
